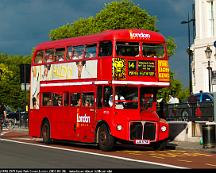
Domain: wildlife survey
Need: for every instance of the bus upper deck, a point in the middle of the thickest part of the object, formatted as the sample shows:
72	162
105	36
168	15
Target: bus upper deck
125	55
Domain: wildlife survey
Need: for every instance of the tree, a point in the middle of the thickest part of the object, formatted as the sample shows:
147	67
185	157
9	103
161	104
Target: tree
10	90
175	87
115	15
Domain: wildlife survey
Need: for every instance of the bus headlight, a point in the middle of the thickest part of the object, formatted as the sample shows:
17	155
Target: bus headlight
163	128
119	127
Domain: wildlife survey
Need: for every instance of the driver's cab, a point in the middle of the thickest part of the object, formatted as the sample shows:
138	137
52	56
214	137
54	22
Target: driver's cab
126	97
147	99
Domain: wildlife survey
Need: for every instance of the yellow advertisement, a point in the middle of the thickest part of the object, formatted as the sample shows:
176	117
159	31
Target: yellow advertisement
163	71
119	69
63	71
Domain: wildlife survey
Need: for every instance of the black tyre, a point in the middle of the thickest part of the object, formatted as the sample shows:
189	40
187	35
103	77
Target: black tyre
45	133
1	127
105	140
159	145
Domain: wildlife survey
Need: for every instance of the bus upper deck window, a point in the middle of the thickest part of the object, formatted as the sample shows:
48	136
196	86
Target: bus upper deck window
153	50
70	53
105	48
127	49
79	52
59	54
39	57
90	51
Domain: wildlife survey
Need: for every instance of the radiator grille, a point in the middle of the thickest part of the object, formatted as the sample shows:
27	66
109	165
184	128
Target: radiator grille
149	131
137	131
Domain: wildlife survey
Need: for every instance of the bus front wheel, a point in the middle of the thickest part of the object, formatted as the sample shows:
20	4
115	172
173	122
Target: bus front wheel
105	140
45	133
159	145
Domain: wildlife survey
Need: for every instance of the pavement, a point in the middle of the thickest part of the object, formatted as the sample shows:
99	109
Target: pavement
184	145
20	132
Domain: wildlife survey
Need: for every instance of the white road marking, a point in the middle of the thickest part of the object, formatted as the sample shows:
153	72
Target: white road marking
96	154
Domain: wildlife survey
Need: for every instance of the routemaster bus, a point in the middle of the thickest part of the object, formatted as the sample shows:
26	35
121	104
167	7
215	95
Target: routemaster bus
100	89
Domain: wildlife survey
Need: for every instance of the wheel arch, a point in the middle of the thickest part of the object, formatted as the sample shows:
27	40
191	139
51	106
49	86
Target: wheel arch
45	120
97	127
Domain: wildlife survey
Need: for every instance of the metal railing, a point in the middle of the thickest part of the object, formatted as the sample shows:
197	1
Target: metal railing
23	120
10	123
187	111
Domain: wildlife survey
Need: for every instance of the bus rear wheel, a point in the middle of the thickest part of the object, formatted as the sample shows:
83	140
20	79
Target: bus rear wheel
105	140
45	133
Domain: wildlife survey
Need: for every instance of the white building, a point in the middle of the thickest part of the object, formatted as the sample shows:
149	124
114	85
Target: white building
205	24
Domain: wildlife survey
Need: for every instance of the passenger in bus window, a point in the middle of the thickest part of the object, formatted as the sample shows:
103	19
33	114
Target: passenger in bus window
79	102
70	55
59	101
50	58
38	59
87	103
82	54
117	97
75	55
60	58
35	104
50	102
151	53
147	101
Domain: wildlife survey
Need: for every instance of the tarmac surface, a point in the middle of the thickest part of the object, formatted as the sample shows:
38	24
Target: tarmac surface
177	145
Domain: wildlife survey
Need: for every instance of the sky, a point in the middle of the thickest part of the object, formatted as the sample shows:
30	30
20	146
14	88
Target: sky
25	23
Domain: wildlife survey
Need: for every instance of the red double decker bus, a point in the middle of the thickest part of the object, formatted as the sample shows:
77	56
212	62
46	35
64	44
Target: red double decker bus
100	88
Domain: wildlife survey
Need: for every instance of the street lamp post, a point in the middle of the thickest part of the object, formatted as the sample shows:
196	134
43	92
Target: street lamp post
208	53
189	51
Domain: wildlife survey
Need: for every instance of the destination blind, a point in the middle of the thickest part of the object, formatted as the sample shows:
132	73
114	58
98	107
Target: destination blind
141	68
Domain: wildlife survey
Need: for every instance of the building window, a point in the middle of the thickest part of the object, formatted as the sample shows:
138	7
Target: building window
210	18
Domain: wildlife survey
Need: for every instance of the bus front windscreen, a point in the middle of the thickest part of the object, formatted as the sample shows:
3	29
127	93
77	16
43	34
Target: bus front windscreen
126	97
127	48
153	50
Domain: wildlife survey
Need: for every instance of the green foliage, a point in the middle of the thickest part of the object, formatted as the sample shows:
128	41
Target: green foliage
115	15
175	89
171	46
123	14
10	90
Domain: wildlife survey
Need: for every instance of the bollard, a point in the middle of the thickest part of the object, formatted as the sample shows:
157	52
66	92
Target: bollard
208	136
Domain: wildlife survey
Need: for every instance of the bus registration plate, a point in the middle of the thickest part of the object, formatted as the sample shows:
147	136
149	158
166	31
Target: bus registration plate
145	141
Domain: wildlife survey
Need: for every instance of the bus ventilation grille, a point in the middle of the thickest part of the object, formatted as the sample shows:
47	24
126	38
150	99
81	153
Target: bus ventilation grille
137	132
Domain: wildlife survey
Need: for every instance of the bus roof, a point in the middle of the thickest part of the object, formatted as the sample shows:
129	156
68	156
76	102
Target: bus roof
120	34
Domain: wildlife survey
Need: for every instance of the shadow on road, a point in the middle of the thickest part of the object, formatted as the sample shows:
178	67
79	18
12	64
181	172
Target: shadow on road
117	147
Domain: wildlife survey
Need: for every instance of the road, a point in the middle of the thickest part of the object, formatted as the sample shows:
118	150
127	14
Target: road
22	151
21	155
